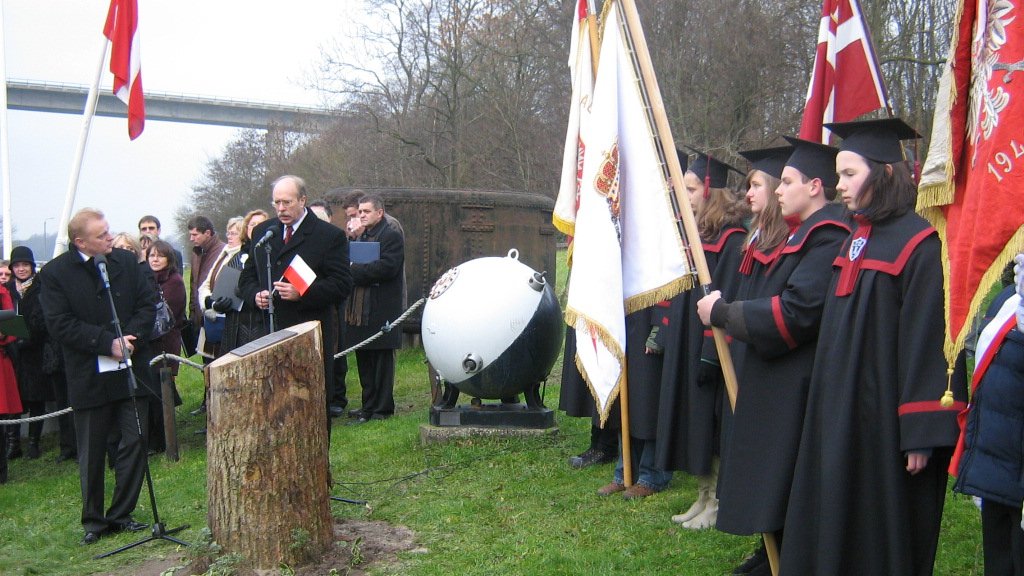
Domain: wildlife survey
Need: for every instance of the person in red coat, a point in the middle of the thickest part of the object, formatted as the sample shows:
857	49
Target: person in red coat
10	400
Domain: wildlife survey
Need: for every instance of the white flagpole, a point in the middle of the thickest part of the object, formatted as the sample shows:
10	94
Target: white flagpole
61	245
5	163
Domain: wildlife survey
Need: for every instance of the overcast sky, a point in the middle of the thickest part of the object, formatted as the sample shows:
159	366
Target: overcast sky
251	49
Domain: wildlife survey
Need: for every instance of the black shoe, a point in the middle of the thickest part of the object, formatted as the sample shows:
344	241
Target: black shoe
358	413
64	457
591	457
33	451
200	410
90	538
336	411
753	562
130	526
201	432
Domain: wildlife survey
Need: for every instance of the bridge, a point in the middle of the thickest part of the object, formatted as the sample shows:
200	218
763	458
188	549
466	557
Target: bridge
193	109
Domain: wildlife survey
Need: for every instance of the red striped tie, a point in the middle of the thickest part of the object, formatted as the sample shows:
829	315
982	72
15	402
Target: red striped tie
287	233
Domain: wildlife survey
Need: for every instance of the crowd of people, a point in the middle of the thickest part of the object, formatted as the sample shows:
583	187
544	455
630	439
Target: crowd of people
837	447
70	353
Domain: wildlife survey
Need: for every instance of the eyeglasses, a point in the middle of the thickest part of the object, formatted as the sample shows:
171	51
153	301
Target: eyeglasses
282	203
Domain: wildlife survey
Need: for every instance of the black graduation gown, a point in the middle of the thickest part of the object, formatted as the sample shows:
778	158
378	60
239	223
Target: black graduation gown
643	376
689	409
875	389
781	318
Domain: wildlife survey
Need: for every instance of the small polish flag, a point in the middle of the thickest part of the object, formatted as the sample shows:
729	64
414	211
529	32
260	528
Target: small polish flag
300	274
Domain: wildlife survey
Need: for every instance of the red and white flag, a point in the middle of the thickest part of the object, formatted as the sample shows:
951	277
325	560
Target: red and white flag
973	178
846	82
122	29
581	71
628	251
299	274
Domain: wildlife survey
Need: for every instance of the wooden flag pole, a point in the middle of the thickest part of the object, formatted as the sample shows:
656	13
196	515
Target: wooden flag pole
653	92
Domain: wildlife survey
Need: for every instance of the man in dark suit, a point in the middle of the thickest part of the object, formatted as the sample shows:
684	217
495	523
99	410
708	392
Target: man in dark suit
323	247
77	312
377	299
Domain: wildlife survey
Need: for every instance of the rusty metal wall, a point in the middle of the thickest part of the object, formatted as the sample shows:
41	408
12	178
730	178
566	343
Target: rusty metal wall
444	228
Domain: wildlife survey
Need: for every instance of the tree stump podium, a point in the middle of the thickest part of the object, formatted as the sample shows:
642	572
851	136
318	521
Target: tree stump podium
267	463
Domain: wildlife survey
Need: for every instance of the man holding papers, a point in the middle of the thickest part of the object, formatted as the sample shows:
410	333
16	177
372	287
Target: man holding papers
78	316
309	267
376	299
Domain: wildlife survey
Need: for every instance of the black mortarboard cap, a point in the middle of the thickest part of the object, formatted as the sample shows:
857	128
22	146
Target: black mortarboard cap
771	161
877	140
704	165
684	160
814	160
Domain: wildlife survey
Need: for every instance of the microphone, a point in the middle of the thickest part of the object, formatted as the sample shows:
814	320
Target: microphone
266	237
101	264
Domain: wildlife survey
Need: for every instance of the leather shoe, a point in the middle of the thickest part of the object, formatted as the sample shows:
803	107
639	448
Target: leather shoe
90	538
637	491
64	457
609	489
590	457
358	413
753	562
336	411
130	526
200	410
201	431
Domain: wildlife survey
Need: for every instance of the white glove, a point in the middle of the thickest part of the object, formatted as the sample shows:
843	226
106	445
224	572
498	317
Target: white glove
210	314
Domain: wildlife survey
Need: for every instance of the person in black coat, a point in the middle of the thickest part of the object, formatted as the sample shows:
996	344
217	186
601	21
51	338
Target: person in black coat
322	246
376	299
78	316
989	460
34	385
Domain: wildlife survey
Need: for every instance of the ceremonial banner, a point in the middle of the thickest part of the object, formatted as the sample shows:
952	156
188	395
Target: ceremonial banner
122	29
628	253
581	71
846	81
972	185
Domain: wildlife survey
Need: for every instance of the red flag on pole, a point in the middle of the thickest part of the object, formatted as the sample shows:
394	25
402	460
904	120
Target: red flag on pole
846	82
122	29
973	177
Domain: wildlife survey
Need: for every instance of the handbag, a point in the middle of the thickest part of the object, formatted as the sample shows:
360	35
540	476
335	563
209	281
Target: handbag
164	322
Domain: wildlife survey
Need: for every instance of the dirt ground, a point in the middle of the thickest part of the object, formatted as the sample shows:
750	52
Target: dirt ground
376	543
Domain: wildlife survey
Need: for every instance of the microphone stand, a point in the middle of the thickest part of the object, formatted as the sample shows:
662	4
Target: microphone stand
158	530
270	287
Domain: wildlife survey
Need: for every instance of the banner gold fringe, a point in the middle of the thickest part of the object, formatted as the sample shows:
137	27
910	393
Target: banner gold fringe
574	317
563	226
652	297
1015	245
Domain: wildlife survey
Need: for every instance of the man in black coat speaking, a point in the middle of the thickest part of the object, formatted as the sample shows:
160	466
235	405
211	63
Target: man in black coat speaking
78	315
297	236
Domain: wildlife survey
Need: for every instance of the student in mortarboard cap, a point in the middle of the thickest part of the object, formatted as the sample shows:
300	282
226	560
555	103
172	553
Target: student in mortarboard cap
870	479
775	323
689	406
768	229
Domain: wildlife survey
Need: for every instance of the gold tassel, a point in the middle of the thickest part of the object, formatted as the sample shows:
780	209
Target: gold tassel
947	396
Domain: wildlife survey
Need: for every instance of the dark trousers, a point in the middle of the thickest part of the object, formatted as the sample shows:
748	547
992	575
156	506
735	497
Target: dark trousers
340	396
1002	539
65	423
93	426
927	495
377	378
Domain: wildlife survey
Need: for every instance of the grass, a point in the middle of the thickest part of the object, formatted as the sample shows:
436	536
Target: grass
479	506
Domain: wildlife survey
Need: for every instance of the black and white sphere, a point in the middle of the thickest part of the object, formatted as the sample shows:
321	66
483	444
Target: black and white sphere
492	326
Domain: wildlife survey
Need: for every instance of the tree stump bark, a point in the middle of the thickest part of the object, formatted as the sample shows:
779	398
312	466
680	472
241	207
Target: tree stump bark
267	463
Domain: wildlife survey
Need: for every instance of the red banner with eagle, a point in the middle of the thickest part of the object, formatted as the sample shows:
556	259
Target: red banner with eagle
972	185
